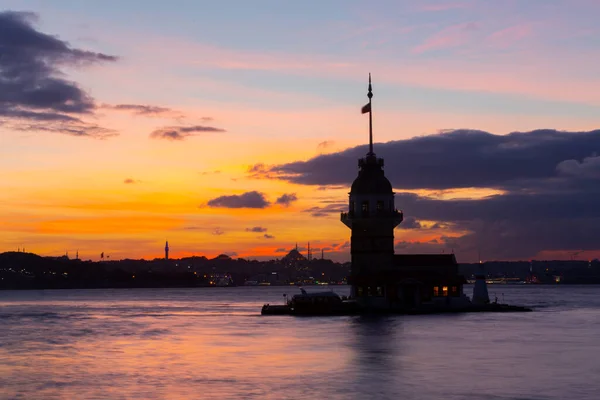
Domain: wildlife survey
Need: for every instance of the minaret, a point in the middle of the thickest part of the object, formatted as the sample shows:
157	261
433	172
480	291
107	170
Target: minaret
371	216
167	250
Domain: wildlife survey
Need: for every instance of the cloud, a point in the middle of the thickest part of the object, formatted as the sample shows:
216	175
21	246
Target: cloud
72	129
548	183
145	110
267	236
410	223
218	231
325	144
182	132
334	208
452	36
129	181
281	250
453	159
509	36
286	199
256	229
32	85
252	199
588	168
210	172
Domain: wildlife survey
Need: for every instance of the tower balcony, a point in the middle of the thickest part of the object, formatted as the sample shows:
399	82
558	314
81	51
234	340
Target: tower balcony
395	216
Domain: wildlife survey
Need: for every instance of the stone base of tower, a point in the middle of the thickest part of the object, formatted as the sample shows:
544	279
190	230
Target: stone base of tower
415	281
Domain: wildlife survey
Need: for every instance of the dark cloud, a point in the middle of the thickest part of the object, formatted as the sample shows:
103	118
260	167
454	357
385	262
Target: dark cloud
515	225
129	181
286	199
256	229
218	231
410	223
328	210
182	132
455	159
267	236
549	185
32	85
72	129
281	250
252	199
589	168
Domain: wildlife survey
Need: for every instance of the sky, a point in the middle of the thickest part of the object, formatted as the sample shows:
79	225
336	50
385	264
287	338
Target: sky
235	127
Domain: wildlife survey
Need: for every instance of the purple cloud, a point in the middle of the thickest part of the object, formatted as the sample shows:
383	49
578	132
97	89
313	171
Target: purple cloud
256	229
252	199
286	199
182	132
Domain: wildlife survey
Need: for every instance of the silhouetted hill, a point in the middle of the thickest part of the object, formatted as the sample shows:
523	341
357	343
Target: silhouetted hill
20	270
29	271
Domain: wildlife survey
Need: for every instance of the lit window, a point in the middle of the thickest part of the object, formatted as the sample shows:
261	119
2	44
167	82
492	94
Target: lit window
359	291
445	290
365	207
379	206
379	291
436	291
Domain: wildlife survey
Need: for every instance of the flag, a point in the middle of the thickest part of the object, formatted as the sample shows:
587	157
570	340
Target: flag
366	108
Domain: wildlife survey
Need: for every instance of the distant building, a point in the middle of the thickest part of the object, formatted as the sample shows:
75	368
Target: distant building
380	278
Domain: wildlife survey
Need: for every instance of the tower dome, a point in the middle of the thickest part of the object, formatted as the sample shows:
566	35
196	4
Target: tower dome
371	179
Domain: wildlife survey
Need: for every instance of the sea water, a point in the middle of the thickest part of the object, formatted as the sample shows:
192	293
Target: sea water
212	343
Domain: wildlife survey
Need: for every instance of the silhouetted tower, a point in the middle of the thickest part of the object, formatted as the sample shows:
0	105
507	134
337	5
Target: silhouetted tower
167	250
371	215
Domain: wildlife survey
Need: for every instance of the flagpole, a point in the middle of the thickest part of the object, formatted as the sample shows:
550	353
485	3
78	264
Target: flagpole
370	95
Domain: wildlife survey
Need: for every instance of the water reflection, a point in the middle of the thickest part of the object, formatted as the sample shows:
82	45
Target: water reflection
376	343
182	344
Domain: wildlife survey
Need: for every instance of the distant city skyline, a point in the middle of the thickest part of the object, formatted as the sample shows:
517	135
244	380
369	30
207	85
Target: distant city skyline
235	127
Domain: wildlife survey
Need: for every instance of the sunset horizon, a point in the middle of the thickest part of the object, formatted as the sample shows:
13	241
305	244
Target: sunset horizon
122	130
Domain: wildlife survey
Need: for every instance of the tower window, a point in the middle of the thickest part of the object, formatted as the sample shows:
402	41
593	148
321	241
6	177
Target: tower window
379	206
365	207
